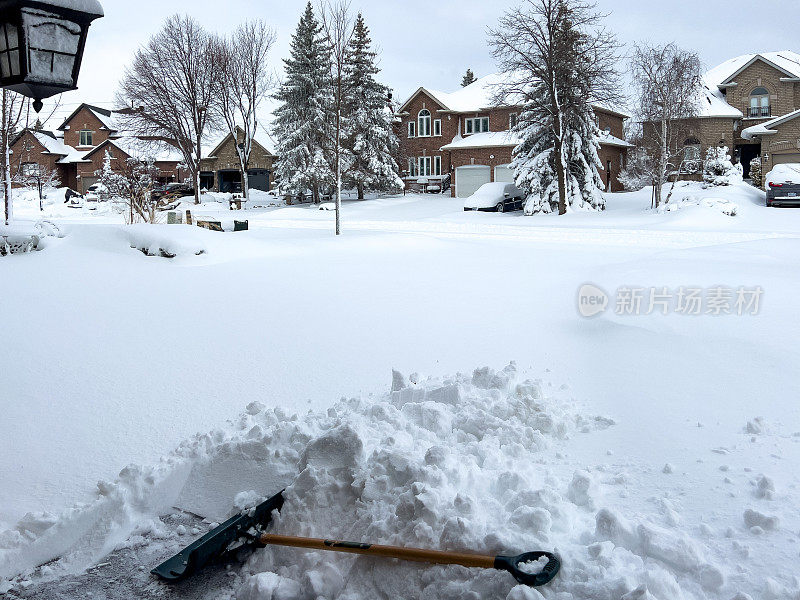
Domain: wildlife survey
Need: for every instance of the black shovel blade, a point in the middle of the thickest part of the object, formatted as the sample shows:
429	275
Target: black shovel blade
216	543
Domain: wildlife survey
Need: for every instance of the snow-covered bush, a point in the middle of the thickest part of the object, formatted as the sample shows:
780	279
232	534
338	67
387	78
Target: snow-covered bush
638	170
718	168
756	174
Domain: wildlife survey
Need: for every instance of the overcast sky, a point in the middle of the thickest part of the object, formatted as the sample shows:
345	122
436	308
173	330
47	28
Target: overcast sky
425	43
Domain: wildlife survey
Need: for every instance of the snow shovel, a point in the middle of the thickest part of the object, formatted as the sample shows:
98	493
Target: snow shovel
246	530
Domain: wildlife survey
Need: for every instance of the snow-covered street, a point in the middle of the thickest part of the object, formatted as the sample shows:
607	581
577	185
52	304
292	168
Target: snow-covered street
116	358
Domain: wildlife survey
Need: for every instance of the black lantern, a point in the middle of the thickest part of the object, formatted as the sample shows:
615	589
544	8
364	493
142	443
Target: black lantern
41	45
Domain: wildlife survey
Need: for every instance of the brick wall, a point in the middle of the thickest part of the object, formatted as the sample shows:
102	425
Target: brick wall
784	96
84	119
414	147
28	149
785	142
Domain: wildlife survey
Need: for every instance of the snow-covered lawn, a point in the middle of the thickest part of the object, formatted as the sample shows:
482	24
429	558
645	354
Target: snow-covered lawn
110	357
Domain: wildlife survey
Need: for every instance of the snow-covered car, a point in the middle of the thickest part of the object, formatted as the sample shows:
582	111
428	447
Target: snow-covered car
783	185
95	193
496	196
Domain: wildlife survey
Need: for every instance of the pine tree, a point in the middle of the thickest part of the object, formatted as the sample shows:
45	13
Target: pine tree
468	78
559	61
370	138
302	119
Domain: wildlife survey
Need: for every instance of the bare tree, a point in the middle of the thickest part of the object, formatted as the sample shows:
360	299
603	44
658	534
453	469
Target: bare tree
338	27
245	82
559	60
169	90
15	110
667	80
133	180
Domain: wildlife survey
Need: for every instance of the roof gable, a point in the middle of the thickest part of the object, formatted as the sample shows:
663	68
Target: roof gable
228	137
101	114
429	93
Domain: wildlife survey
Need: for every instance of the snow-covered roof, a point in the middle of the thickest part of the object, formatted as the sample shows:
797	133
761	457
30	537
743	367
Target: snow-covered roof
480	95
606	139
139	148
488	139
53	144
767	128
74	156
496	139
712	101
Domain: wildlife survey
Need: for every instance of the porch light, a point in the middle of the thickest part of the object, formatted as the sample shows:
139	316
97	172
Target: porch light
41	45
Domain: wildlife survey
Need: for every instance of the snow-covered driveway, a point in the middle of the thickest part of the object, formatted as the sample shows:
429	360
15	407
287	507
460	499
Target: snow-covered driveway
109	357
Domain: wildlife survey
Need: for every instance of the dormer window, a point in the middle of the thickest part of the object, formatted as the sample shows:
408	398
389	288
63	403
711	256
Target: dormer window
86	138
424	120
759	103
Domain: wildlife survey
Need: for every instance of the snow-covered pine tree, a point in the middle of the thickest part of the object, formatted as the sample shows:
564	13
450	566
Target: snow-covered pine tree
469	77
718	168
560	61
370	138
301	124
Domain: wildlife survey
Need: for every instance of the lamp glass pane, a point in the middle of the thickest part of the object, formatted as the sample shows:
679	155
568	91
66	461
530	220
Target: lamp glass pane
53	46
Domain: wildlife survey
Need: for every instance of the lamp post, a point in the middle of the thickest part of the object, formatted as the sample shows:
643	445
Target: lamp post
41	45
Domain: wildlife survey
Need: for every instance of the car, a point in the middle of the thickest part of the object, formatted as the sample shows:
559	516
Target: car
96	192
496	196
783	185
172	190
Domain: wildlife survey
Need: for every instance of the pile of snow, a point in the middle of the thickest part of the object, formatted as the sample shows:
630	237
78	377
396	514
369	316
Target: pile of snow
468	463
722	205
455	463
165	241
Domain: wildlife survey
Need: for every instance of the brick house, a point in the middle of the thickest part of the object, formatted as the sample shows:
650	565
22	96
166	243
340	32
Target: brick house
463	139
74	149
749	104
220	170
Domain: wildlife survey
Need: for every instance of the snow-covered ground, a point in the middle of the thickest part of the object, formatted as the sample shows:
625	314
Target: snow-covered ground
636	449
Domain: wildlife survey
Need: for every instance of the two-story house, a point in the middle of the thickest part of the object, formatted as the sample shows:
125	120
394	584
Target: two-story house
749	104
464	138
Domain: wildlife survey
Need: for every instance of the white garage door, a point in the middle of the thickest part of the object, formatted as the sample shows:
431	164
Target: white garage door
470	178
782	159
504	174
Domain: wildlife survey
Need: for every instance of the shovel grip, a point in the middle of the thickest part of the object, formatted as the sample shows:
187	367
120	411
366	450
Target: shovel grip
414	554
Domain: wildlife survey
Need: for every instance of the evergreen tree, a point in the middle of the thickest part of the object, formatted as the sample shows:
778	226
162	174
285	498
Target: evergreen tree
468	78
559	60
370	139
302	121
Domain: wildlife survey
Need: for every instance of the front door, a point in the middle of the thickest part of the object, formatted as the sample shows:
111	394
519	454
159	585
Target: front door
746	153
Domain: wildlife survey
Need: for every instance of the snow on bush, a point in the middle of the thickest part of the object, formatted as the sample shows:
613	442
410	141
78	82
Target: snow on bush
756	174
718	168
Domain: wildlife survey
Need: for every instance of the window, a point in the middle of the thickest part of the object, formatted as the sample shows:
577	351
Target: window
412	167
30	169
691	149
476	125
424	120
437	127
412	129
437	165
86	138
424	166
513	118
759	103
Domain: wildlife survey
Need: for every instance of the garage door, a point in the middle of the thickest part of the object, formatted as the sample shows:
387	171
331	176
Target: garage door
782	159
504	174
86	182
470	178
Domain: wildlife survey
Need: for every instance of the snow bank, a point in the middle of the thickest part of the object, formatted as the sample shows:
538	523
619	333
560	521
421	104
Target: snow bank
722	205
165	241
